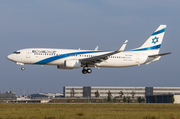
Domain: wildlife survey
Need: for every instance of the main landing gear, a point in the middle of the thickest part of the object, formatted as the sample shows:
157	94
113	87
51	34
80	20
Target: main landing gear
88	70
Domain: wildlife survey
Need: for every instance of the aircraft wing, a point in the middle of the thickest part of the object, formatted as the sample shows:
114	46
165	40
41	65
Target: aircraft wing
101	58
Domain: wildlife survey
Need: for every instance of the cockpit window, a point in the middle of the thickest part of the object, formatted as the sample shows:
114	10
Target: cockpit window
16	52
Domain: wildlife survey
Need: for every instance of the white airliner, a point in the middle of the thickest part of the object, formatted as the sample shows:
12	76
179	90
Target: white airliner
70	58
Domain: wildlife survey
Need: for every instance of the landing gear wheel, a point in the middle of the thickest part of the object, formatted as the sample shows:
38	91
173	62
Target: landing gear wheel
84	71
89	70
22	68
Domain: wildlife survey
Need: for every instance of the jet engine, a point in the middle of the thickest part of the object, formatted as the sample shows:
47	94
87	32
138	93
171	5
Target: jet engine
70	64
62	67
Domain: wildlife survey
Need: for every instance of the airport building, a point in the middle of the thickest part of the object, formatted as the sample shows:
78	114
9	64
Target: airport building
46	95
9	95
132	92
163	99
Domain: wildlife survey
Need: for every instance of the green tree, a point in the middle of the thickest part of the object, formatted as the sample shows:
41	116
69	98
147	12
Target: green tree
172	99
133	93
109	96
124	99
114	99
139	99
155	99
128	100
72	93
121	94
97	94
143	99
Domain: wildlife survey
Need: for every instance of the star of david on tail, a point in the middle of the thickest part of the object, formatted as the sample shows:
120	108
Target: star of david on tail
155	40
153	44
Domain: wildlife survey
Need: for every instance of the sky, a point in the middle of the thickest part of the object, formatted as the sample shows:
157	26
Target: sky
85	24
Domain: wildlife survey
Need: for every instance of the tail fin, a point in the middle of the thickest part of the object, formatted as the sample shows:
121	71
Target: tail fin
153	43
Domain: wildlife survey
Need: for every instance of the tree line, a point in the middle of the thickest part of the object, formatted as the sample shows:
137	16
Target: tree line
125	99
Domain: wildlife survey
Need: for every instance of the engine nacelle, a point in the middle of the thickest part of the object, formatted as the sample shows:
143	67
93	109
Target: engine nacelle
72	64
62	67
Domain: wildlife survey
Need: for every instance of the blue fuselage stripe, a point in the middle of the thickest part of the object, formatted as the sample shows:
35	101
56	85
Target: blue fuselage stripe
148	48
51	59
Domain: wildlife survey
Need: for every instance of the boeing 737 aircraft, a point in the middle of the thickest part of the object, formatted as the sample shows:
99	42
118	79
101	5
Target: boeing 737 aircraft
70	58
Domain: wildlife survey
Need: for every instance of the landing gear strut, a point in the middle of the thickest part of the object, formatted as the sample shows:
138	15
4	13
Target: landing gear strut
22	64
88	70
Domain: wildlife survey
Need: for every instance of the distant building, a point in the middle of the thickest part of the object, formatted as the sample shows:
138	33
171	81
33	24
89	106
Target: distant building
53	95
9	95
166	90
39	96
163	98
132	92
45	95
70	91
24	97
115	91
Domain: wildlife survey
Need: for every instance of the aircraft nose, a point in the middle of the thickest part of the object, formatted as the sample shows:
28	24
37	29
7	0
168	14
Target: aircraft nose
10	57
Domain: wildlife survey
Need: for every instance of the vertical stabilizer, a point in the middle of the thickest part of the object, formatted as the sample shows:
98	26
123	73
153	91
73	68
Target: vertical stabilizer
153	43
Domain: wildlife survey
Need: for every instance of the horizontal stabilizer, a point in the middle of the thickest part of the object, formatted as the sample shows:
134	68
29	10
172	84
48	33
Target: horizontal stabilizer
157	55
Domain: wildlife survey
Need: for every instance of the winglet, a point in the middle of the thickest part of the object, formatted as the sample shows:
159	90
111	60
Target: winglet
123	46
96	48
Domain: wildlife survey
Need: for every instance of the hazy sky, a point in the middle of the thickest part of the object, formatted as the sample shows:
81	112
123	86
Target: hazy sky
86	24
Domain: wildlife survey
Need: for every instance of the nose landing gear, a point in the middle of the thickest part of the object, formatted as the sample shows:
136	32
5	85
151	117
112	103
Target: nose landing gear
22	64
22	68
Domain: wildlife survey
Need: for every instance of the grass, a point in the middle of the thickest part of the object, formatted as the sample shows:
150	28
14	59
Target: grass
89	111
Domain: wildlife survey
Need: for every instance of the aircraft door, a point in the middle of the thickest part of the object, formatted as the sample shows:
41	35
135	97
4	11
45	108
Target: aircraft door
28	54
137	58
